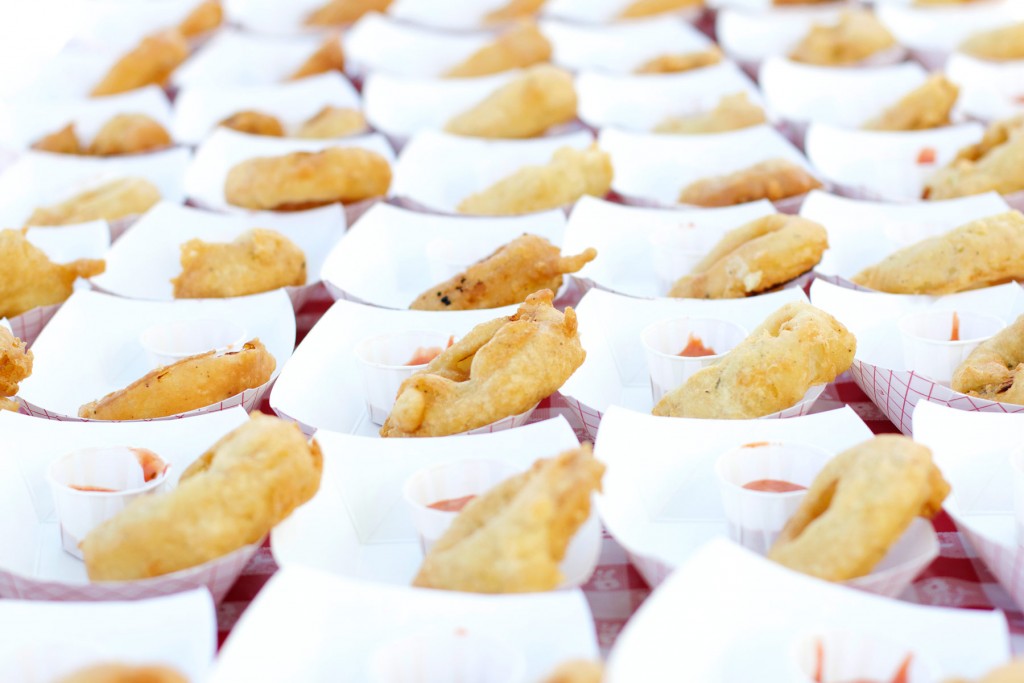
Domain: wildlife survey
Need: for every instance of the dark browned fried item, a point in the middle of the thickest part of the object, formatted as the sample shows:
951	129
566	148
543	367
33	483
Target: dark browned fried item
341	12
856	36
994	164
513	538
1000	44
256	261
254	123
328	57
859	506
684	61
577	671
191	383
732	112
333	122
773	179
129	134
150	63
525	265
15	365
927	106
993	369
521	46
109	201
29	279
514	10
501	368
63	141
123	673
755	257
647	8
207	16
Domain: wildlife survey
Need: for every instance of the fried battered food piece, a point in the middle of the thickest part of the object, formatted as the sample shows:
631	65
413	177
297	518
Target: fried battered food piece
540	98
569	175
512	538
29	279
15	365
204	18
129	134
773	179
647	8
1008	673
522	46
256	261
991	371
577	671
150	63
341	12
336	174
994	164
254	123
978	254
501	368
1001	44
191	383
795	348
732	112
514	10
328	57
333	122
755	257
525	265
927	106
995	135
855	37
109	201
123	673
858	507
63	141
232	496
684	61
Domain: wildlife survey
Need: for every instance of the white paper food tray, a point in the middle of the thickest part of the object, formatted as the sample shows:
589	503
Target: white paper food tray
272	17
71	73
989	91
449	14
605	11
118	25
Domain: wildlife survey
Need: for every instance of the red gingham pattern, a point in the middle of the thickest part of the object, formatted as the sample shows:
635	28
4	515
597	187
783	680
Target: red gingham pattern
29	324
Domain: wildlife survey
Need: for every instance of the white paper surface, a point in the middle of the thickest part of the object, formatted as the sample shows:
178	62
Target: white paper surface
942	29
118	25
602	11
989	91
72	73
752	36
451	14
272	16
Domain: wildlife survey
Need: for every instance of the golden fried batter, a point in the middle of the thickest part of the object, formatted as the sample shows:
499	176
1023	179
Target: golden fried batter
514	10
15	365
512	538
755	257
519	47
109	201
732	112
647	8
123	673
129	134
336	174
254	123
1001	44
773	179
978	254
858	507
150	63
207	16
795	348
540	98
569	175
577	671
191	383
499	369
256	261
29	279
927	106
333	122
855	37
232	496
994	164
991	371
341	12
525	265
63	141
684	61
328	57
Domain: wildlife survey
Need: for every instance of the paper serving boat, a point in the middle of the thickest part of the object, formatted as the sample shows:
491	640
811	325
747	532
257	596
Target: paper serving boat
606	11
755	611
457	15
989	91
114	25
879	368
91	347
33	565
269	17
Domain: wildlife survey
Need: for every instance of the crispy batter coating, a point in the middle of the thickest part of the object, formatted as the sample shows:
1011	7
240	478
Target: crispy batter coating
206	16
991	371
755	257
521	46
328	57
256	261
994	164
525	265
858	507
732	112
683	61
336	174
232	496
924	107
577	671
540	98
341	12
333	122
647	8
29	279
109	201
150	63
15	365
191	383
499	369
515	10
795	348
999	44
123	673
254	123
773	179
129	134
63	141
569	175
978	254
512	538
855	37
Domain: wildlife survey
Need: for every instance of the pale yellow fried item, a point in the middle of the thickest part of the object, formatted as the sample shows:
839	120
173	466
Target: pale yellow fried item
540	98
232	496
519	47
647	8
256	261
150	63
1001	44
123	673
978	254
328	57
306	179
190	383
109	201
514	10
859	506
855	37
515	270
732	112
15	365
755	257
684	61
577	671
569	175
998	133
993	369
129	134
773	179
512	538
795	348
994	164
29	279
924	107
499	369
1007	673
206	16
254	123
63	141
341	12
333	122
